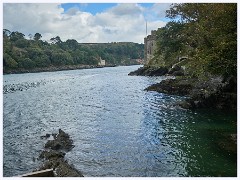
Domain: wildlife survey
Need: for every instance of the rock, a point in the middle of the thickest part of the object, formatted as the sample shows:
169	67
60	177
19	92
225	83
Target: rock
157	71
54	155
62	135
51	154
45	137
172	86
210	93
138	72
149	71
61	141
66	170
185	105
178	73
174	68
53	144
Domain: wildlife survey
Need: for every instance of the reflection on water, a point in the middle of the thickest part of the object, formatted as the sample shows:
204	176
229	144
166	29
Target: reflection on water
118	128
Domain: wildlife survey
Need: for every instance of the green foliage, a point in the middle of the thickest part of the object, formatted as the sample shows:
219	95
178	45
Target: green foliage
20	53
206	32
9	62
170	43
27	63
37	36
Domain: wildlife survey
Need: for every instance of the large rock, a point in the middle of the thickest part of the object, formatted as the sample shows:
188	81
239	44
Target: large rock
172	86
149	71
215	93
61	141
51	154
54	154
210	93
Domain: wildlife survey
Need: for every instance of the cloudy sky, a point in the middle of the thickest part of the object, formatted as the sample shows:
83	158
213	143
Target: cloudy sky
85	22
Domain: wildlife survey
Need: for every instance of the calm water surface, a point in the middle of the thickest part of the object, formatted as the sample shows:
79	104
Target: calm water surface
118	129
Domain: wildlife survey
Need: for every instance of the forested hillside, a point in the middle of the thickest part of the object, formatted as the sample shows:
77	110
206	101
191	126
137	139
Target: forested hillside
20	53
204	32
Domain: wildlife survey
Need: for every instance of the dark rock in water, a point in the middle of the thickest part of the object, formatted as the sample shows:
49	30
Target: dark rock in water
214	93
53	144
149	71
51	154
61	141
138	72
66	170
211	93
46	136
157	72
172	86
184	105
54	156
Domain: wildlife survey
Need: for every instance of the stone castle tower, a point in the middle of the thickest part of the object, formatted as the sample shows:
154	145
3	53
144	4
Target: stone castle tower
150	46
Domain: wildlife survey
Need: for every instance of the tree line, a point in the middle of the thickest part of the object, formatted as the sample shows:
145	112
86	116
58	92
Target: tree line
22	53
205	32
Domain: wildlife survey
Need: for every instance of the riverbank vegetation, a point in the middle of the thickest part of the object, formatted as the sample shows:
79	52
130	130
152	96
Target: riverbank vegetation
205	33
200	46
21	54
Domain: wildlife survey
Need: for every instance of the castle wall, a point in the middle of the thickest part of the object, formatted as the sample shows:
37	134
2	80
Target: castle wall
150	46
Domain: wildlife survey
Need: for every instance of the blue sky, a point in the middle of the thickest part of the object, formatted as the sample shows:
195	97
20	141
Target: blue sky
86	22
94	8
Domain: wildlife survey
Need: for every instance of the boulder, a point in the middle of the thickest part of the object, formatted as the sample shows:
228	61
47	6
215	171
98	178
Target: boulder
149	71
172	86
53	144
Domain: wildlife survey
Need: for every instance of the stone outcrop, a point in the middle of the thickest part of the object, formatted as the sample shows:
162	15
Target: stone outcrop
54	153
213	93
158	71
150	71
176	71
172	86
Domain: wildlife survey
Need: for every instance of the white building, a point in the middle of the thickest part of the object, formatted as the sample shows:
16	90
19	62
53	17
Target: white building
101	62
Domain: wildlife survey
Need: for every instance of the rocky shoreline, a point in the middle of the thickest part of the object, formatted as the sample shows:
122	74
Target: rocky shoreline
54	153
54	68
158	71
214	92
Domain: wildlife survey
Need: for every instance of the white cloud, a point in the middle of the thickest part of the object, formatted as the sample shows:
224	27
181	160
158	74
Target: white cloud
124	22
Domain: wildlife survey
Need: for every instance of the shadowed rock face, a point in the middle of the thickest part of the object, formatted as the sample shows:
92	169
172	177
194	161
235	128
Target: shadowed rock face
158	71
172	86
54	154
146	71
213	93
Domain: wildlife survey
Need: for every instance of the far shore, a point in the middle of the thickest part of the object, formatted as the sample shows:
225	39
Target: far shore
58	68
54	68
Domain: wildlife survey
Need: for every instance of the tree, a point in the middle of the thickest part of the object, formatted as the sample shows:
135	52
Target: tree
56	40
22	43
37	36
6	33
14	36
211	30
72	44
9	62
26	63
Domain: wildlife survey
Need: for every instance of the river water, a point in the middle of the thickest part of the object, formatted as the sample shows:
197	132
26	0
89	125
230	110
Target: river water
118	129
